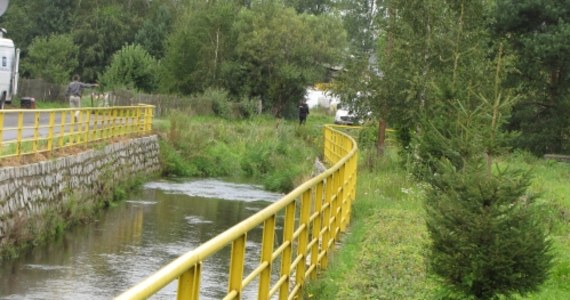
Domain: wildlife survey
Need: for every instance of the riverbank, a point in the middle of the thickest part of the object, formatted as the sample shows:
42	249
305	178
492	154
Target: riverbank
276	153
382	256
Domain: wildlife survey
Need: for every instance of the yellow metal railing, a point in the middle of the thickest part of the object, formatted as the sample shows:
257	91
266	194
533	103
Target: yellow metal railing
25	132
309	220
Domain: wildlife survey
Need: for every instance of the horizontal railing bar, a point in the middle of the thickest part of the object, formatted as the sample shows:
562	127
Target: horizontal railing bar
254	273
298	231
310	270
312	243
278	285
296	261
280	250
293	294
231	295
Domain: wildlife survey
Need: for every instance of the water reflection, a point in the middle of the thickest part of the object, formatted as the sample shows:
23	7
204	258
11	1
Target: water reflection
136	238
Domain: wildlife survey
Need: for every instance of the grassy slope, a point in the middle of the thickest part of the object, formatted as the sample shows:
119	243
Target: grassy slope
382	255
277	153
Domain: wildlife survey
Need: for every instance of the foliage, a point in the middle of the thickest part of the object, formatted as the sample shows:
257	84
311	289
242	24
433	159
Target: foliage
258	148
220	102
487	239
105	31
474	217
280	52
153	32
361	21
132	67
248	107
202	44
52	58
538	31
315	7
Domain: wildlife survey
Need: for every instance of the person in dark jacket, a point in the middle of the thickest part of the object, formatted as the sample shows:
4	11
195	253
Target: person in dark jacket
74	90
303	112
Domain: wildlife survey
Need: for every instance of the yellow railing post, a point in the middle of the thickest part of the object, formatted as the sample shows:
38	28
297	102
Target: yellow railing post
115	132
236	266
288	229
149	116
137	119
123	127
189	283
327	215
317	229
62	128
19	134
87	132
342	199
1	130
335	208
36	132
303	237
50	137
79	128
266	254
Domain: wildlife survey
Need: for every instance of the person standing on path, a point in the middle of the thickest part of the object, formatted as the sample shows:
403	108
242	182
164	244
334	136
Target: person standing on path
74	90
303	112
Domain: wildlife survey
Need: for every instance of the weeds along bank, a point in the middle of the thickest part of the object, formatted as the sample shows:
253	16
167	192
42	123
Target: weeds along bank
276	153
383	254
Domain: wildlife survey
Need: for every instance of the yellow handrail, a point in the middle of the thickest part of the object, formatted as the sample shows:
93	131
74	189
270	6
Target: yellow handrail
312	216
35	131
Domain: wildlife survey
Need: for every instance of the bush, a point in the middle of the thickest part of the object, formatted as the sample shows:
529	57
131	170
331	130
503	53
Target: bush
220	102
487	240
248	107
132	67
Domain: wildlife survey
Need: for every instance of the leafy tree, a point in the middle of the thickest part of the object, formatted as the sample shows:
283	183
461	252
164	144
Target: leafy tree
361	21
18	24
200	45
154	30
279	53
51	16
132	67
539	33
52	58
315	7
105	31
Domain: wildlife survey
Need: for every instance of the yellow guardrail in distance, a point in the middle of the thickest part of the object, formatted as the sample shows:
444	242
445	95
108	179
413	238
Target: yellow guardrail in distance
311	218
24	132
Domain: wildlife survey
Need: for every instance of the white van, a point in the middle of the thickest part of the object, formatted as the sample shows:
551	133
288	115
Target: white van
9	61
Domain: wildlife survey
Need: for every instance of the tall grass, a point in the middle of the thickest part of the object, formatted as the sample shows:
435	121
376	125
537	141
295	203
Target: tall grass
277	153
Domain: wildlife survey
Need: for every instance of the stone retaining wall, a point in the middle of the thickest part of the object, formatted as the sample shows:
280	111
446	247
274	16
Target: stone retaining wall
87	179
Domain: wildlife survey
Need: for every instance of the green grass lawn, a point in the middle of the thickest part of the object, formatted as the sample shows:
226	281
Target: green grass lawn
382	255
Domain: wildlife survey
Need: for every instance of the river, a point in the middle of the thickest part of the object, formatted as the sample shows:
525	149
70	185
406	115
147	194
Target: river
132	240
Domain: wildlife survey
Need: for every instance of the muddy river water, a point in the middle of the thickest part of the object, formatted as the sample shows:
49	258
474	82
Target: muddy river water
134	239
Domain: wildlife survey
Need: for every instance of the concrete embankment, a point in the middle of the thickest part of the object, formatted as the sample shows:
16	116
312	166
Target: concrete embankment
32	196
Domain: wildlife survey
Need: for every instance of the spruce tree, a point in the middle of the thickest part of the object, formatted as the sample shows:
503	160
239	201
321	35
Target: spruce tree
487	240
